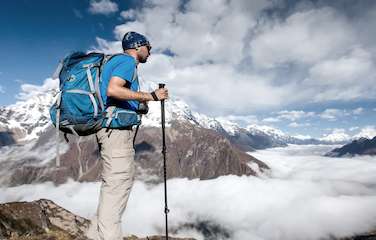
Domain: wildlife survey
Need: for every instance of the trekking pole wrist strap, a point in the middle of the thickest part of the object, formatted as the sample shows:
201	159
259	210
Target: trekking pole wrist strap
154	96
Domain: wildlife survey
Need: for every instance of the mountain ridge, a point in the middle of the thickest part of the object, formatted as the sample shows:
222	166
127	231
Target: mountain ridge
26	119
361	146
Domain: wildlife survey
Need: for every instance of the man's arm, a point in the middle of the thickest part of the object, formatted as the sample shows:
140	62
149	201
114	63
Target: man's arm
117	90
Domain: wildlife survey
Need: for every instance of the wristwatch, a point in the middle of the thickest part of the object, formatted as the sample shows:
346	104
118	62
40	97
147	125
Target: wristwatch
154	96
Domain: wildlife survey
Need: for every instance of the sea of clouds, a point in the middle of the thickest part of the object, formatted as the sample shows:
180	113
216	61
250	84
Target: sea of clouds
305	196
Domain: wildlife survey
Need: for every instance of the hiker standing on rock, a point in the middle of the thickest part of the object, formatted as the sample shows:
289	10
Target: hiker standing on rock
120	89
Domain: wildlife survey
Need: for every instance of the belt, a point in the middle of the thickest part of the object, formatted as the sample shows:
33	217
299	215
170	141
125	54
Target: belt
130	128
127	128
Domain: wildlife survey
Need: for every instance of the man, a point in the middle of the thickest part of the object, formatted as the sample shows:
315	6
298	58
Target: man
120	88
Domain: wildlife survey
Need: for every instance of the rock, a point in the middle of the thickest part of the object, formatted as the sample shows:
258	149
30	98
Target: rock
39	218
6	138
44	220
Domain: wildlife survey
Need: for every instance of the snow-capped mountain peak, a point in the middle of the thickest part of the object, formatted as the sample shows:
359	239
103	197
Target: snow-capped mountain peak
266	129
175	109
30	115
230	127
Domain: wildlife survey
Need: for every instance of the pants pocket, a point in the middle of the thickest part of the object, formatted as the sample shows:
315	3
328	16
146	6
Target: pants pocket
122	161
101	134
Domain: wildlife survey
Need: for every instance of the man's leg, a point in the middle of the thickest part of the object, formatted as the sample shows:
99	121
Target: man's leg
117	154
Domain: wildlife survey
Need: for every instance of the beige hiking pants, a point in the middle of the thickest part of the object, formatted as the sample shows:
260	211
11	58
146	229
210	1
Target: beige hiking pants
117	155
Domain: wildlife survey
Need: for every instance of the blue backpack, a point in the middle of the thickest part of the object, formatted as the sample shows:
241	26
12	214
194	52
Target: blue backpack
79	108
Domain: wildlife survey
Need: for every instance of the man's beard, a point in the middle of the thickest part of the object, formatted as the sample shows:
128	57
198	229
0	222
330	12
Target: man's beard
143	60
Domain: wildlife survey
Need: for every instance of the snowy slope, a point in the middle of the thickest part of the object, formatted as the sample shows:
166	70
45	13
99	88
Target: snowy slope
30	115
273	132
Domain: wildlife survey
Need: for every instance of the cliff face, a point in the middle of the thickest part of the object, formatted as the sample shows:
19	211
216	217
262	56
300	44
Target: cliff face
193	152
44	220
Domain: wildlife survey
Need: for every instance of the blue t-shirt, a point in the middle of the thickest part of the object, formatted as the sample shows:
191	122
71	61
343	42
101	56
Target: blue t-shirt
123	66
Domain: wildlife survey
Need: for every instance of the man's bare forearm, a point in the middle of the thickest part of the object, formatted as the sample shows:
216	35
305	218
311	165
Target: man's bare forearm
123	93
117	90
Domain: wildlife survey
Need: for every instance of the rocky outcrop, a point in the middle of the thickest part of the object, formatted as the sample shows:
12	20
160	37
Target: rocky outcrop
6	138
38	218
9	135
44	220
192	152
362	146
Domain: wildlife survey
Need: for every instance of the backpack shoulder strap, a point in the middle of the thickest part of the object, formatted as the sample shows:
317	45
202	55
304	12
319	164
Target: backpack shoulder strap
110	56
57	131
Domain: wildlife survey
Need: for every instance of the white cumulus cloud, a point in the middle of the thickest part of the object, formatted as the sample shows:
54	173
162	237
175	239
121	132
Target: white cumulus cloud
358	111
331	114
242	120
296	125
30	90
294	115
271	119
337	135
302	137
345	78
304	37
105	7
367	132
232	57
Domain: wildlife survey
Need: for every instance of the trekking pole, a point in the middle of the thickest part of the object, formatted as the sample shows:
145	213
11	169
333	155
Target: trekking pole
166	210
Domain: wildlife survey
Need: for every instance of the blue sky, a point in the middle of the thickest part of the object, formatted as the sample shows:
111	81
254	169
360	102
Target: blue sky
35	35
306	67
